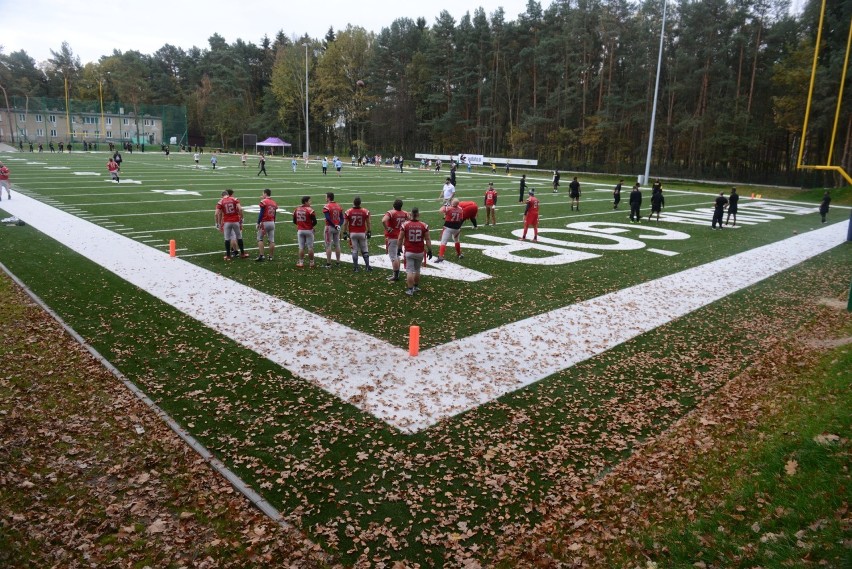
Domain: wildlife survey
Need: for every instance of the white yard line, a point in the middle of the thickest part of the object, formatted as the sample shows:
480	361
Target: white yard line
408	393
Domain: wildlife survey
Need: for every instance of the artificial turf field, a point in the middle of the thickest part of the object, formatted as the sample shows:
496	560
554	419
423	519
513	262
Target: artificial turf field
348	480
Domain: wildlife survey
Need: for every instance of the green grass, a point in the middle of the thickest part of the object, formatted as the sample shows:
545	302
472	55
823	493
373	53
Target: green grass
348	480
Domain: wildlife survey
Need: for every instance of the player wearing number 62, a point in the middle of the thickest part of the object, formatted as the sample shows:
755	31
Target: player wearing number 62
414	236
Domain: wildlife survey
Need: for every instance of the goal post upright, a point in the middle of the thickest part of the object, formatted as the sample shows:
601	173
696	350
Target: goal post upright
827	165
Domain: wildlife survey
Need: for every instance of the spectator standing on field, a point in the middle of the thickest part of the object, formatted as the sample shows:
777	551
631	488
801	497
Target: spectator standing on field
823	205
447	192
657	203
523	188
324	164
196	157
616	194
574	192
261	163
556	177
635	203
213	161
733	200
719	210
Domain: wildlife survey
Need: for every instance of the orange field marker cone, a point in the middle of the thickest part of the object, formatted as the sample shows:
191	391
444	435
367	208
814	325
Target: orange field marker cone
172	247
413	340
752	195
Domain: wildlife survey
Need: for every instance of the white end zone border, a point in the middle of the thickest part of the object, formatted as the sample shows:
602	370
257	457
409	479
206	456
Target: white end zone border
408	393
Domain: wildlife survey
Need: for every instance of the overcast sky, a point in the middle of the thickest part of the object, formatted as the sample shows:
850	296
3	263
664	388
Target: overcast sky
94	29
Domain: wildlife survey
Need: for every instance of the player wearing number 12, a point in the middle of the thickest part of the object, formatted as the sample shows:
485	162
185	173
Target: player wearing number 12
414	236
490	205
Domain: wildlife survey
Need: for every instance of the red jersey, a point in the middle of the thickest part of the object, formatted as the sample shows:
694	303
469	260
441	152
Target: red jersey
490	196
357	218
304	218
470	209
333	214
414	233
396	219
453	217
229	206
113	167
532	208
4	173
268	209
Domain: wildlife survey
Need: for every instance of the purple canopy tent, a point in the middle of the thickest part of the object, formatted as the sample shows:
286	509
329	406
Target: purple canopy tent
273	142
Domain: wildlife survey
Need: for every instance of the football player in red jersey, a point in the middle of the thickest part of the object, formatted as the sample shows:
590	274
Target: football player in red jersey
531	216
490	203
229	216
392	222
471	210
266	224
4	182
333	220
453	219
305	220
112	167
414	236
356	223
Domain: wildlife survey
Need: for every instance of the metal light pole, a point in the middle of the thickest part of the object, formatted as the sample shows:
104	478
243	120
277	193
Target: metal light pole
307	129
8	115
67	110
656	92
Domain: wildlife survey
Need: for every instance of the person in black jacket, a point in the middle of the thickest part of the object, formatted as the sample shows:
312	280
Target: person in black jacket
523	188
635	203
733	199
616	194
657	203
823	206
719	209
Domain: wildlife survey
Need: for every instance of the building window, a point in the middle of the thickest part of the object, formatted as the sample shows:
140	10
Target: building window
149	122
39	118
53	133
22	117
109	120
90	120
74	120
125	134
23	132
39	132
52	118
125	121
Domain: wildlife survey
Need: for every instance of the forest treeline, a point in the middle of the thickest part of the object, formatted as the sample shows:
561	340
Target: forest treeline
570	84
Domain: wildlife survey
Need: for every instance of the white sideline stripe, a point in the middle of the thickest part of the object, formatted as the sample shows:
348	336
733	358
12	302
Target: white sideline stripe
412	394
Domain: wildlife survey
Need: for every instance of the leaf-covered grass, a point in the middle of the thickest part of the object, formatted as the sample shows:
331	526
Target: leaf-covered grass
364	491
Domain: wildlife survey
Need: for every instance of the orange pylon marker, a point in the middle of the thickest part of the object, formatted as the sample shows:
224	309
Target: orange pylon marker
413	340
172	248
752	195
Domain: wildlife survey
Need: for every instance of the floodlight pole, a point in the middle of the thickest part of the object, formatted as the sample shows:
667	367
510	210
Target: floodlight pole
307	128
8	114
101	95
656	93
